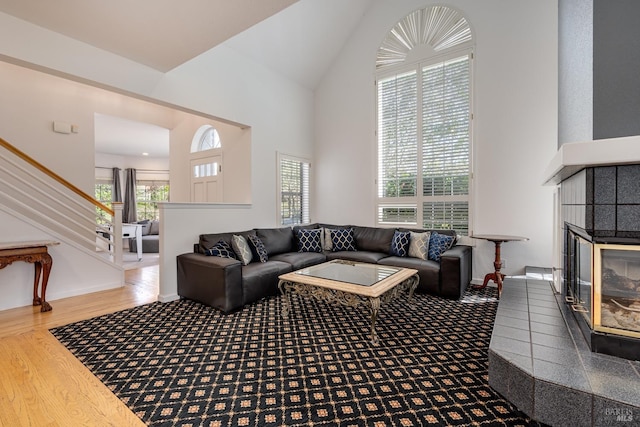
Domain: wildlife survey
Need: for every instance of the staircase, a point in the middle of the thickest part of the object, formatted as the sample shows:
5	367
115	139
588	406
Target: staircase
47	204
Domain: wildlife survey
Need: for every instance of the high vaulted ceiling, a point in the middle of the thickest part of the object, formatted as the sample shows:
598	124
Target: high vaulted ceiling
161	34
298	39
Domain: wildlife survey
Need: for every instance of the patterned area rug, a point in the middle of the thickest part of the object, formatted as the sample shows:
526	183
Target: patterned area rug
185	364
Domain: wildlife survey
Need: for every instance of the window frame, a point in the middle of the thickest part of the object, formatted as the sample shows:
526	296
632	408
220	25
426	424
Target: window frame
305	193
418	200
101	216
139	201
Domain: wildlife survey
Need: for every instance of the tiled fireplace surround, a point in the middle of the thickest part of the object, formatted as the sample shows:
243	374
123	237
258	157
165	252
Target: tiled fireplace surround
538	357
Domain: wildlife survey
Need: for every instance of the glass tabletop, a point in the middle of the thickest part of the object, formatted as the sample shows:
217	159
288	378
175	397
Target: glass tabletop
349	272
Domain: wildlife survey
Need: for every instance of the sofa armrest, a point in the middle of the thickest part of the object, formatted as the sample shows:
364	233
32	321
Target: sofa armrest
455	271
211	280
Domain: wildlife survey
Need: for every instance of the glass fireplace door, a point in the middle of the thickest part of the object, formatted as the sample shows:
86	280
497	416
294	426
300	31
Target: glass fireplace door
617	292
582	279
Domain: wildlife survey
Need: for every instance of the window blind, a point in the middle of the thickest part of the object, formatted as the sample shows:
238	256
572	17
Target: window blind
424	142
397	135
294	191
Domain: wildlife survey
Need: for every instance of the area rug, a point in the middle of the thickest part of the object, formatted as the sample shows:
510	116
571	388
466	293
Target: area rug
186	364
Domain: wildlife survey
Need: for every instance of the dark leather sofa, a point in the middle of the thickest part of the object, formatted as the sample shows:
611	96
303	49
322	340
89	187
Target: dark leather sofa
228	285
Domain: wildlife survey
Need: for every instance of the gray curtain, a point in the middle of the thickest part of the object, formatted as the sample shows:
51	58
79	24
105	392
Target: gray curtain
116	195
129	207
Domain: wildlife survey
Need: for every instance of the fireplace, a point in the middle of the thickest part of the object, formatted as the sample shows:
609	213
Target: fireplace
598	240
602	287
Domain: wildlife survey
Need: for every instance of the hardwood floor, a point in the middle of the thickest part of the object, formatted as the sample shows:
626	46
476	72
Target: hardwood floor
41	382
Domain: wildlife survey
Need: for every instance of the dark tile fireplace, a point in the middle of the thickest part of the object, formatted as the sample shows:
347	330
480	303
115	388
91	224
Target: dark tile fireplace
601	272
602	287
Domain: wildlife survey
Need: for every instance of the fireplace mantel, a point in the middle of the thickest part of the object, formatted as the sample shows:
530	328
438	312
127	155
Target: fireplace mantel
575	156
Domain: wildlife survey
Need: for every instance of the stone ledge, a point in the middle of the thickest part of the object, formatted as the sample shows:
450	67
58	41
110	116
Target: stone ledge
539	361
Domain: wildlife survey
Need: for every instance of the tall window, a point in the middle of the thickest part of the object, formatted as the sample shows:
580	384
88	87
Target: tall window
424	123
294	185
103	194
148	194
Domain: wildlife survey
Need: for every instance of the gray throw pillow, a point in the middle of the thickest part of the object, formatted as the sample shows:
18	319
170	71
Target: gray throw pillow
419	245
241	248
154	228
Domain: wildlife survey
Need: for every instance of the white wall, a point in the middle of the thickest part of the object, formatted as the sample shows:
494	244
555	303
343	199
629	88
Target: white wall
236	146
279	112
515	99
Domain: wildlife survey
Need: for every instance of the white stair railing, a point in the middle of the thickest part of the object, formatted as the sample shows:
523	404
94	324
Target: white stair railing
36	194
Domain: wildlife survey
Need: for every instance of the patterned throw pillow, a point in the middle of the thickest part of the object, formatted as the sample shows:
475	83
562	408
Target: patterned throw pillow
400	243
309	240
343	240
419	246
327	243
221	249
241	248
438	244
258	249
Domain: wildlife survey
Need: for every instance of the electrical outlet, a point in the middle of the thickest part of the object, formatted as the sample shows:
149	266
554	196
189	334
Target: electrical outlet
504	263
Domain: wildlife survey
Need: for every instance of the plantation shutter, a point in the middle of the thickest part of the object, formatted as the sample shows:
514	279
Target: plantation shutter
424	146
445	144
294	191
398	151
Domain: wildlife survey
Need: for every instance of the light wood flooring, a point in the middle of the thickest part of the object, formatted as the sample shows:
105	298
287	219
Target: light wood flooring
41	382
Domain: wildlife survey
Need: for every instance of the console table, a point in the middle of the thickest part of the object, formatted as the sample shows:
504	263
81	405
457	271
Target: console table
133	231
37	253
497	240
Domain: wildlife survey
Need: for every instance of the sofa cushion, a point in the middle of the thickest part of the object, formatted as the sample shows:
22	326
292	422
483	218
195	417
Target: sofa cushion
221	249
309	240
277	240
359	256
342	240
260	280
428	271
241	248
439	244
400	243
154	228
419	245
300	260
373	239
257	249
150	244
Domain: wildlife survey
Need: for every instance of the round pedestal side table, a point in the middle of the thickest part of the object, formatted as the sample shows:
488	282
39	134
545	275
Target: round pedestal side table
497	240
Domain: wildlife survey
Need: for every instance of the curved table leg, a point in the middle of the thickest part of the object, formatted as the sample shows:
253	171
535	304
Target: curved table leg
47	263
496	276
285	299
38	270
375	308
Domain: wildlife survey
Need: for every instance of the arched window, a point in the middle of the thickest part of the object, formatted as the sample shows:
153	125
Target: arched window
423	92
205	138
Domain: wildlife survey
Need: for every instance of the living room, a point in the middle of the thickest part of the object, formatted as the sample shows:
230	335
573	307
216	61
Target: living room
327	117
515	84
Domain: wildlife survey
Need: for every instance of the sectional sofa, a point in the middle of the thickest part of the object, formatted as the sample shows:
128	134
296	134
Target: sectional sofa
150	238
229	270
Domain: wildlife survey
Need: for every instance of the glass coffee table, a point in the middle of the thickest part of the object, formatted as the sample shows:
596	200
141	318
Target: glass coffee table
351	284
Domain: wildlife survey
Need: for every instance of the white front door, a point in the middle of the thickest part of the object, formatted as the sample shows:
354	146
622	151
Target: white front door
206	179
